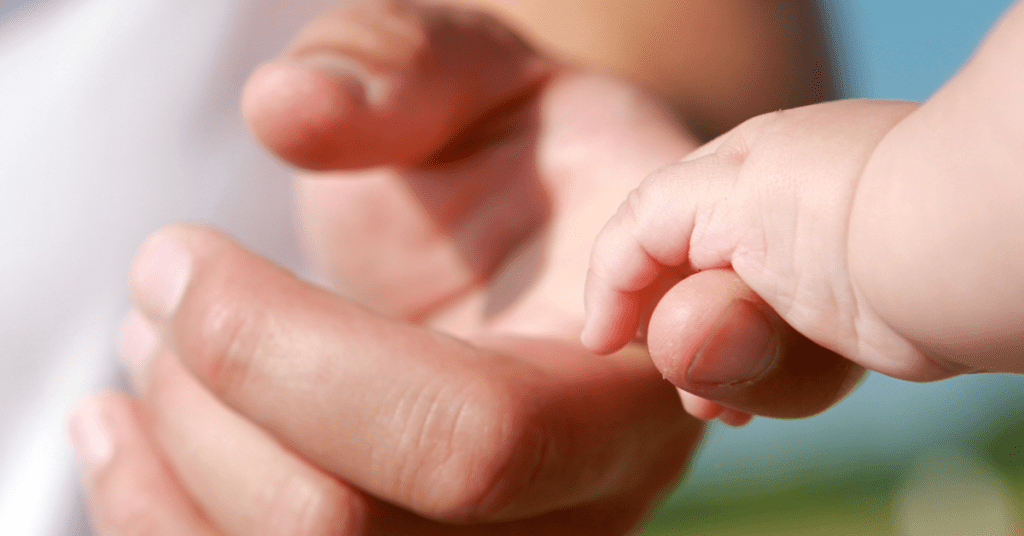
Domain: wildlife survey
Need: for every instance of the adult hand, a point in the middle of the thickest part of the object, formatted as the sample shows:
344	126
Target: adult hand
492	220
341	421
456	399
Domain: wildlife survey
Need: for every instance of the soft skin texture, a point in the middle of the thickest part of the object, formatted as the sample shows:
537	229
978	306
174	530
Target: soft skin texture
444	391
887	232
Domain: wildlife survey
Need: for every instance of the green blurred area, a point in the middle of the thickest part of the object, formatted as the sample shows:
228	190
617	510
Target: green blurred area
860	505
977	483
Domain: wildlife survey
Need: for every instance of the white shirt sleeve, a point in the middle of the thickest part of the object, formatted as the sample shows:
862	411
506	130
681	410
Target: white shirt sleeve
118	117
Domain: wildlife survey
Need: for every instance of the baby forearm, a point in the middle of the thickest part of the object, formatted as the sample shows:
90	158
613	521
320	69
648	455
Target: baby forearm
936	239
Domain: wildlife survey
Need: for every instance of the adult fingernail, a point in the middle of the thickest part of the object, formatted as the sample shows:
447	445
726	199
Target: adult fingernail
742	347
161	274
360	82
91	435
137	342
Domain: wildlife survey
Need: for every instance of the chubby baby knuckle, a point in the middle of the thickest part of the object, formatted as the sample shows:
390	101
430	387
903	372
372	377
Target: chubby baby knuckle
737	145
643	200
627	215
734	151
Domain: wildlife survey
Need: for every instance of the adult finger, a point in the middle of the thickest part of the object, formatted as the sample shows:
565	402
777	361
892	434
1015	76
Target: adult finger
712	336
130	489
246	481
248	484
447	429
388	82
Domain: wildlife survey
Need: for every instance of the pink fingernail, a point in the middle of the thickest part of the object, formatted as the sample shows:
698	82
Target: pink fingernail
741	348
136	344
362	84
91	436
161	274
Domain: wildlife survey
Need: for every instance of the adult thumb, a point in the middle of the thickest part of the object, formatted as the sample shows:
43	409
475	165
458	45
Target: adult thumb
387	83
712	336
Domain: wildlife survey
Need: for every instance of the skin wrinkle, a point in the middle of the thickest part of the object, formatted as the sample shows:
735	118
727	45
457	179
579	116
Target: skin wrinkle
438	432
409	473
300	509
542	455
398	425
237	332
524	468
707	222
700	220
863	311
469	418
452	422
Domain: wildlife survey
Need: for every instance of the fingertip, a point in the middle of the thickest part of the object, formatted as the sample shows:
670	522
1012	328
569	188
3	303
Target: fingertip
700	408
129	487
385	83
596	339
92	432
305	116
610	323
735	418
590	339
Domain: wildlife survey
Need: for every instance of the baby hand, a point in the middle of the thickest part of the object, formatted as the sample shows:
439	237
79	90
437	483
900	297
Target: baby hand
771	200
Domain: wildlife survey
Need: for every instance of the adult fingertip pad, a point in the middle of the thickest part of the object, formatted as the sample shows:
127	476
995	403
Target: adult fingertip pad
296	111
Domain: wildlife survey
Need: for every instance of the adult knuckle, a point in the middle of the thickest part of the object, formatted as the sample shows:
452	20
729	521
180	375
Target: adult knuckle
305	507
136	525
123	513
483	455
223	333
131	523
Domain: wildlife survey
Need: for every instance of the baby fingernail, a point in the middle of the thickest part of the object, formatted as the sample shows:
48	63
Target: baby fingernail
161	273
91	435
741	348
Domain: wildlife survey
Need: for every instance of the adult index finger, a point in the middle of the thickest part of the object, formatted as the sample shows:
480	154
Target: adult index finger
450	430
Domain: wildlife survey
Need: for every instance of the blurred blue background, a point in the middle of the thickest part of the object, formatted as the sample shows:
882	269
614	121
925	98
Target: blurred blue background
902	49
872	444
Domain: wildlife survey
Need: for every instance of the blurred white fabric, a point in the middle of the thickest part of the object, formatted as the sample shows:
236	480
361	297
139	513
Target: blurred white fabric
116	117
